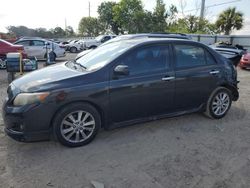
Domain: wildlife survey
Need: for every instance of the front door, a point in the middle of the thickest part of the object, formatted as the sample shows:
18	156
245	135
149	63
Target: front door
147	90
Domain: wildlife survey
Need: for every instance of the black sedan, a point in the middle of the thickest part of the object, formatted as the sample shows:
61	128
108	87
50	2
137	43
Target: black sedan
121	83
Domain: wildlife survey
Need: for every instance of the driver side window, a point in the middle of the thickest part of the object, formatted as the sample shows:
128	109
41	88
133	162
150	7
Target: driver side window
147	59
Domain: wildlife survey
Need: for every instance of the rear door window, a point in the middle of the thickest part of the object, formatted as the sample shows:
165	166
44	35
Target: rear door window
188	56
38	43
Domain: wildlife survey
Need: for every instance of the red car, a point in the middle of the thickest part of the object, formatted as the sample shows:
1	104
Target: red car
245	61
6	47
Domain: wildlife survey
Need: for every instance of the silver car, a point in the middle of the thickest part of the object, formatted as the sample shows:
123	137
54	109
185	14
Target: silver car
37	47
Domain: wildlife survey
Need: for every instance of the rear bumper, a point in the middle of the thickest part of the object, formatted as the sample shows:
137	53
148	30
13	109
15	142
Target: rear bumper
244	65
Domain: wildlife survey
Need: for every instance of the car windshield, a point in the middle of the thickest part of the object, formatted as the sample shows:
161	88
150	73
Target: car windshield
99	38
101	56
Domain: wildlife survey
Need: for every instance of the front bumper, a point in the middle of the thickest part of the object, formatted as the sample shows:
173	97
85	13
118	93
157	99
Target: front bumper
28	123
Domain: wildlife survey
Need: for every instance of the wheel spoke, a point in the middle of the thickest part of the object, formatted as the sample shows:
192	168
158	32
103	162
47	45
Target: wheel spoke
65	122
89	129
65	131
70	135
83	134
72	118
79	116
89	123
217	110
77	137
215	103
85	117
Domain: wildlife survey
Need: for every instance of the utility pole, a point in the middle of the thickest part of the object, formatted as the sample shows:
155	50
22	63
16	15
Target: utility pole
89	8
65	23
202	9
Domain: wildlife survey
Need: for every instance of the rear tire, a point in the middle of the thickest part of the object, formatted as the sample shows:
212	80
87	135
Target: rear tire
92	47
73	49
76	124
219	103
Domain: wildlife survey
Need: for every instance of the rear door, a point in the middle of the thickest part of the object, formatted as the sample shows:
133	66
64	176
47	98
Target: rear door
147	90
197	75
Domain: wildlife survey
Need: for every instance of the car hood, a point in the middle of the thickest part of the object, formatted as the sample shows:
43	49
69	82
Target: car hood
83	53
49	78
17	46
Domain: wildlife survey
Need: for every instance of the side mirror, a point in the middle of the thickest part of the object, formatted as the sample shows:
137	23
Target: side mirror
47	43
121	70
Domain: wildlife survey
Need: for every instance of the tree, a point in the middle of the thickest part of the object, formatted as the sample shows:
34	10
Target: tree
159	16
193	24
229	20
129	14
59	32
106	16
21	31
69	31
90	26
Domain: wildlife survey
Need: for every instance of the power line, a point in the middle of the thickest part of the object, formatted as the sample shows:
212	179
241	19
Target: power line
214	5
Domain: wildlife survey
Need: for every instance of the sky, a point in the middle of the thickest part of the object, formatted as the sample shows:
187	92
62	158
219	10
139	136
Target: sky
52	13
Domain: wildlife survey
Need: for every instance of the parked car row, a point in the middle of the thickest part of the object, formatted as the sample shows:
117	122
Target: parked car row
37	47
74	46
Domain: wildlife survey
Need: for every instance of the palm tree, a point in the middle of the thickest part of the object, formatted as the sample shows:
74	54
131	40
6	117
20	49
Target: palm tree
229	20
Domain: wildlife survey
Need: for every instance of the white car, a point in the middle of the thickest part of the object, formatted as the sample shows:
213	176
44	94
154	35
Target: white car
74	46
93	43
37	47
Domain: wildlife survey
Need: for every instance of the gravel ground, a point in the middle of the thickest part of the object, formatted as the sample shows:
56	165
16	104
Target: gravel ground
187	151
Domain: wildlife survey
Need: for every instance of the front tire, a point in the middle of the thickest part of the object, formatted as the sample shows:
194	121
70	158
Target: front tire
219	103
2	64
76	124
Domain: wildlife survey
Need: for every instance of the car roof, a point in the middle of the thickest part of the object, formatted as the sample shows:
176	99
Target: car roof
155	35
137	41
143	36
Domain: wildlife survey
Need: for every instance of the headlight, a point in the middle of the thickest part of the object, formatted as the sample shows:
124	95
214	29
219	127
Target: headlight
29	98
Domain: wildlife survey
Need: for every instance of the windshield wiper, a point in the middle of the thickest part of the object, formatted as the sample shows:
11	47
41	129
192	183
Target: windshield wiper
79	64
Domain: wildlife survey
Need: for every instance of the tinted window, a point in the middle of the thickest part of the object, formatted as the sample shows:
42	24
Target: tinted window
210	59
147	59
189	56
38	43
24	43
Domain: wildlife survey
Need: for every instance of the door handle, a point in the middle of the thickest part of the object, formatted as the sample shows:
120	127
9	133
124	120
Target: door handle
168	78
214	72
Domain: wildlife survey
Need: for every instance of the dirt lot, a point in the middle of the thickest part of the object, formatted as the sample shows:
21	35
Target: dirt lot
187	151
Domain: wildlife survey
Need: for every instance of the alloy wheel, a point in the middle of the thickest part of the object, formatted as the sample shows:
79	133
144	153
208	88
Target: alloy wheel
221	103
77	126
